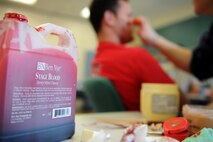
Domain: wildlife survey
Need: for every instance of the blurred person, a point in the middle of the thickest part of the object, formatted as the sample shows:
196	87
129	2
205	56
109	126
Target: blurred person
211	96
199	61
127	67
194	89
200	93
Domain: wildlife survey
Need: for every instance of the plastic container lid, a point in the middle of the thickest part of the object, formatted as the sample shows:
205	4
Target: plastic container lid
175	125
180	136
16	16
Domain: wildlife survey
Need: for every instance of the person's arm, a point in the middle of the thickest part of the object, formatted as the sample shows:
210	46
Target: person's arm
180	56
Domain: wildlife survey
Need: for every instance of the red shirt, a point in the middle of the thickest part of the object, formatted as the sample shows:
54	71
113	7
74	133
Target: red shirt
128	68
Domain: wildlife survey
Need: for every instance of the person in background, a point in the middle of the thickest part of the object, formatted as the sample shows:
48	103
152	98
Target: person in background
194	88
127	67
199	61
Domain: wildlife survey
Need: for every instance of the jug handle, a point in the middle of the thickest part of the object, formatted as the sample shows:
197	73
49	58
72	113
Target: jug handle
66	38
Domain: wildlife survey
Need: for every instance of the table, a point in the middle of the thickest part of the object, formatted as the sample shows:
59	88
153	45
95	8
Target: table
88	121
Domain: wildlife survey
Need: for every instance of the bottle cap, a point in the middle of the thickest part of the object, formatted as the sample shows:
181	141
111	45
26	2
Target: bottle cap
175	125
180	136
17	16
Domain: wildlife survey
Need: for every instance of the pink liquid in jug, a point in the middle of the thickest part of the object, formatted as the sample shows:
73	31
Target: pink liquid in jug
37	84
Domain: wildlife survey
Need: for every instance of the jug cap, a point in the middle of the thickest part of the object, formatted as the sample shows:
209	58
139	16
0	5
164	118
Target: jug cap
16	16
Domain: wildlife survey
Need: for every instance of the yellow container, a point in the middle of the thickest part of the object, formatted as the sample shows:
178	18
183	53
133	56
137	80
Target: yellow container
159	102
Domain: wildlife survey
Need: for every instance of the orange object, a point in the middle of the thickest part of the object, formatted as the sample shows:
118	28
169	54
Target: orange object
176	128
136	21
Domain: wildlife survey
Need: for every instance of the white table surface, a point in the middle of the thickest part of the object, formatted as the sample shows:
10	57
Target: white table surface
89	121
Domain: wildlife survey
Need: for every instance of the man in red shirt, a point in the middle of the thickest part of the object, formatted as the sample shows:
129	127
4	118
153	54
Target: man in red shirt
127	67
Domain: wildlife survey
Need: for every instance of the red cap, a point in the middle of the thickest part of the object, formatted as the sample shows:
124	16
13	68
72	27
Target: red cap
175	125
17	16
180	136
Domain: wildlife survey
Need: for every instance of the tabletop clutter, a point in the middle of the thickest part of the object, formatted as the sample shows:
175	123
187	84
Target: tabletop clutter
194	126
33	75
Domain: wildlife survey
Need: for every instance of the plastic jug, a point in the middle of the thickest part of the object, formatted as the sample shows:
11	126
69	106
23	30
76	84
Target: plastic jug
159	102
37	82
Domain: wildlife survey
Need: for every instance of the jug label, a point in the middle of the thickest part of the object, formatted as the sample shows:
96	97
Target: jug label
28	99
164	104
40	91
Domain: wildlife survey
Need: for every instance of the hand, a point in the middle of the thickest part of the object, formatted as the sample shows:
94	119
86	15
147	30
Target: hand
146	33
